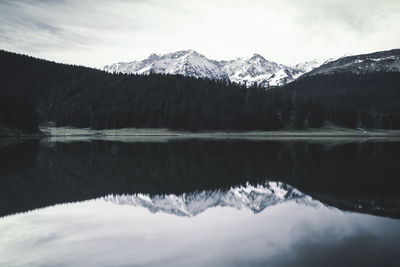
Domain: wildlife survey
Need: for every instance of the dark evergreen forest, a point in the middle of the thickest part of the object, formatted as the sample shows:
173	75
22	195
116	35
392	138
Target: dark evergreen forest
84	97
17	113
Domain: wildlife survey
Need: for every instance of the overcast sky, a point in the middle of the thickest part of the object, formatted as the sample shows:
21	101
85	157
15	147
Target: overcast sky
99	32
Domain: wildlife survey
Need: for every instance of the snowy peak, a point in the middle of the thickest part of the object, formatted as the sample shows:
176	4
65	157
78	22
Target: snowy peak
249	70
187	62
254	198
257	70
256	56
378	61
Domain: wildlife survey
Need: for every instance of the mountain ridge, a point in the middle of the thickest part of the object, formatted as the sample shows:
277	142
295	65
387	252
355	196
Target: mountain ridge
255	69
388	60
250	70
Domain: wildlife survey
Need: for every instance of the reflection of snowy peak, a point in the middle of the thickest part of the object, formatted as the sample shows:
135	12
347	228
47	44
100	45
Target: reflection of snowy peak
248	71
254	198
188	63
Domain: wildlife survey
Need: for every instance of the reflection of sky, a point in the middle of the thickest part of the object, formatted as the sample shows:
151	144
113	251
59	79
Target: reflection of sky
102	233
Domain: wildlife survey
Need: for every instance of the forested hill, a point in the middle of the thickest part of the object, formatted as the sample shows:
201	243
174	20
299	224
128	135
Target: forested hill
84	97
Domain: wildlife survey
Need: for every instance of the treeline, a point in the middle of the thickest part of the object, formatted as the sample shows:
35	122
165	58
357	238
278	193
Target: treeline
175	102
84	97
370	100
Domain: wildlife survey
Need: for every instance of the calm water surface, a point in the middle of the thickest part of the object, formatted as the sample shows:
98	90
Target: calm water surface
199	203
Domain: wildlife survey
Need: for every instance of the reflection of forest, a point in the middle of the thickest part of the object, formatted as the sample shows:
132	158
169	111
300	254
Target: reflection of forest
34	175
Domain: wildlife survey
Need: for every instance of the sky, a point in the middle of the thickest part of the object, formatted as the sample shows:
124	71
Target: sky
95	33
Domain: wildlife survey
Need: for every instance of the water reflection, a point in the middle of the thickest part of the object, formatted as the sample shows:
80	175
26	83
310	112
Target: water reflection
270	225
199	203
351	176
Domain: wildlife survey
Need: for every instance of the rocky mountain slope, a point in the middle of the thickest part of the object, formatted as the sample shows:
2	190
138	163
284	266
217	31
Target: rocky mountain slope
379	61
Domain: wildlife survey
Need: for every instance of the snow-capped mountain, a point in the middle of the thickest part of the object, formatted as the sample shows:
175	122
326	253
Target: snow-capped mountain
378	61
257	70
254	198
245	70
189	63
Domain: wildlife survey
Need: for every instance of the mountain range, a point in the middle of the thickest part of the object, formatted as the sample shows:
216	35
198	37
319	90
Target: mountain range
244	70
255	69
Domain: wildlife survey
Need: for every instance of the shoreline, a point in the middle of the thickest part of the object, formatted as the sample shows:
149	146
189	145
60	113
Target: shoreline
162	133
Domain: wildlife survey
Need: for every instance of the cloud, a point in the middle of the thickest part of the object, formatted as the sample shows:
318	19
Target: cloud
96	33
356	15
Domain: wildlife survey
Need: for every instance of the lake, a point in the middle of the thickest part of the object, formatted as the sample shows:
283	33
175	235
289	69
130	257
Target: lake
199	202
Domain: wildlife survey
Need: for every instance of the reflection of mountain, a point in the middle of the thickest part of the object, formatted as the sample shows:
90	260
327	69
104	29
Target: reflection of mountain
254	198
355	176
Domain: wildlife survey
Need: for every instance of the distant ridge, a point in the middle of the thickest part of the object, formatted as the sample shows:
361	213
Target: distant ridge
378	61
